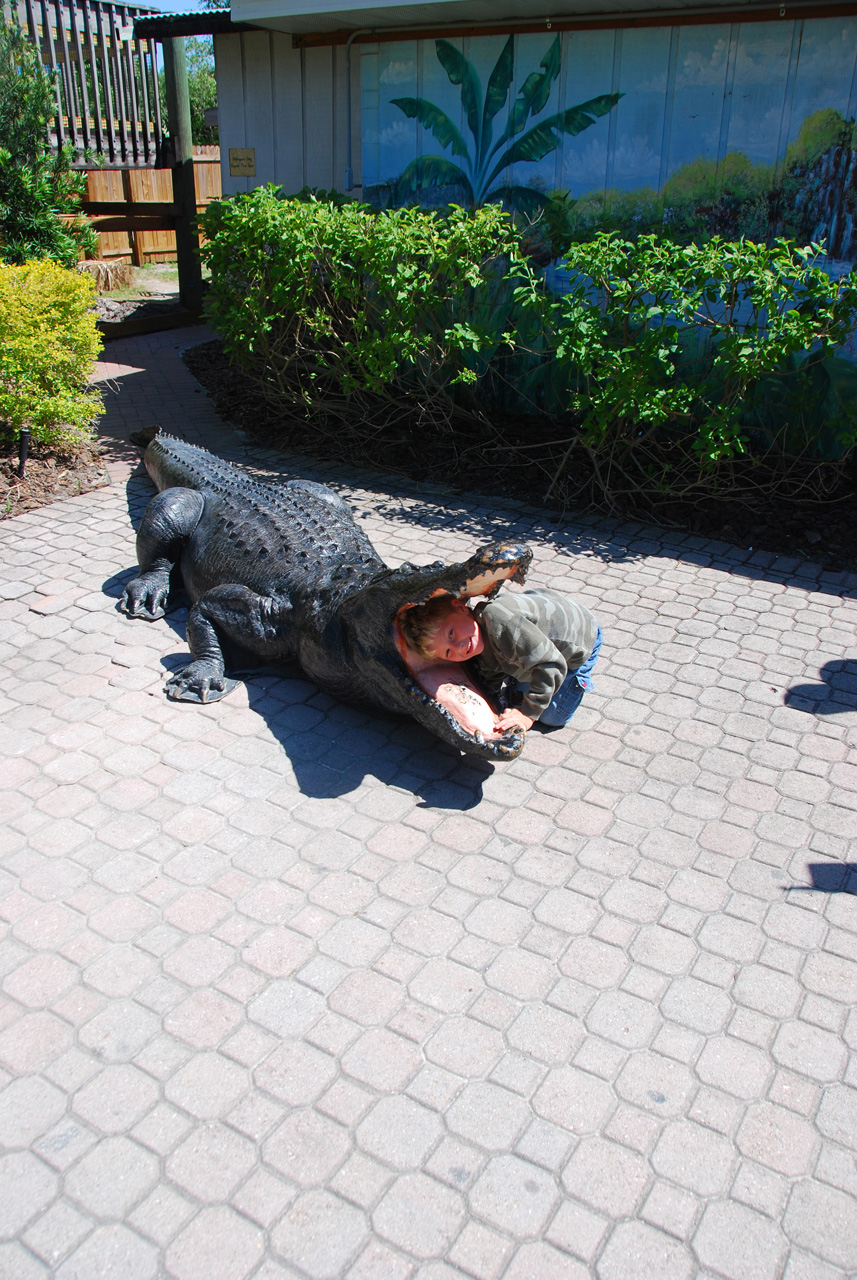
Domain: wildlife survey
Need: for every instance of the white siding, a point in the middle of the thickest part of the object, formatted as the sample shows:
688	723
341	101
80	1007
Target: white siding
290	106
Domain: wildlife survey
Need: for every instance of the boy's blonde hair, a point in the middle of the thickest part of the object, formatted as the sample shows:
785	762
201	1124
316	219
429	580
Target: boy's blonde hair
420	624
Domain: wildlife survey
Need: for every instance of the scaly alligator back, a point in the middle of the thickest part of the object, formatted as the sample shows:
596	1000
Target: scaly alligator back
308	526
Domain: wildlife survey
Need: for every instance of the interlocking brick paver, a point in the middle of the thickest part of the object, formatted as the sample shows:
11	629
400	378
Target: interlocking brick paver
218	1245
26	1188
307	1147
288	989
606	1176
28	1106
112	1177
112	1253
737	1243
637	1248
55	1234
320	1234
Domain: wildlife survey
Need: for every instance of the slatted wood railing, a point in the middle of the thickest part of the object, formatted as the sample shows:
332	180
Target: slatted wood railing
108	100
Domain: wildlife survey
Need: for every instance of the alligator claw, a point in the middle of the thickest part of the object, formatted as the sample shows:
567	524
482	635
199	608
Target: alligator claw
146	597
148	614
197	683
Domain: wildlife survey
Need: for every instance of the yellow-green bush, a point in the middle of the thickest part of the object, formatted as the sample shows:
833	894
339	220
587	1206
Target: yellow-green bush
48	344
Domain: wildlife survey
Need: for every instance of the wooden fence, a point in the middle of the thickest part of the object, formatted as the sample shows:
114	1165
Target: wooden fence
129	187
107	95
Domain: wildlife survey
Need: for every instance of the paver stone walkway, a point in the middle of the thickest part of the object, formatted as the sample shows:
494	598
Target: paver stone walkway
289	989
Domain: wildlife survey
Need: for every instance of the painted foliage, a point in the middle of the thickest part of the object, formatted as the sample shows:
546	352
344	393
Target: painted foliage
742	128
484	162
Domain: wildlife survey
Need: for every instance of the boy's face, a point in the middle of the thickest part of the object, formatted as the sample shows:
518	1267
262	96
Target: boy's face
457	636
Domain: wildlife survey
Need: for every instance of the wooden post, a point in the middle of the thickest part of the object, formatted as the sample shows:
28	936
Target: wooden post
184	190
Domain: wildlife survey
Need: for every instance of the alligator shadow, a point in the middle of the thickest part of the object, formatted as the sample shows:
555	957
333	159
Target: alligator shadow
835	695
331	745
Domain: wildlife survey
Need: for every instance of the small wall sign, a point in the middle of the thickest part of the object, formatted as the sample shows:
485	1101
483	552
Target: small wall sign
242	162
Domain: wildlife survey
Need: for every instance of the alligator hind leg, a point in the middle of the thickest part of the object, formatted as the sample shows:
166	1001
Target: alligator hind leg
170	519
257	623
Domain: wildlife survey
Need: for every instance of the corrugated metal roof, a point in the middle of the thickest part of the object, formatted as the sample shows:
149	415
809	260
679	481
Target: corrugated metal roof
162	26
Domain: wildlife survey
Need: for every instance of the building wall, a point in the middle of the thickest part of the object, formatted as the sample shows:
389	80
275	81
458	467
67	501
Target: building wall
723	121
289	106
746	124
684	93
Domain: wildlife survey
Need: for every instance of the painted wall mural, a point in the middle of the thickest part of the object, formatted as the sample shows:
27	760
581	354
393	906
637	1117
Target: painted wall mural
743	128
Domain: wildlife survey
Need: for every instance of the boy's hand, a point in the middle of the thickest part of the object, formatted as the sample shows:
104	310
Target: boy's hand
512	718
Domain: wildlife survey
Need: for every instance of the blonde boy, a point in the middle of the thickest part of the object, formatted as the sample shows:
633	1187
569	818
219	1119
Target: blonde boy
544	640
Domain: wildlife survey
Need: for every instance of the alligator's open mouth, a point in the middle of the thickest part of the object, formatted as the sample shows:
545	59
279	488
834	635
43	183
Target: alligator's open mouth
447	691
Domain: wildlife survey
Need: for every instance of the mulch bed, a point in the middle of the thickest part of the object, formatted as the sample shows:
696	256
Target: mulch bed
824	533
115	310
48	476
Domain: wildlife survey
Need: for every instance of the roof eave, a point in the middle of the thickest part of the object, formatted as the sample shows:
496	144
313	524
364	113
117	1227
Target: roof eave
164	26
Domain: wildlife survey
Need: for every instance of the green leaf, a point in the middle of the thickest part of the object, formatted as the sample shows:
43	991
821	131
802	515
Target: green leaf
462	71
544	138
435	120
497	92
427	171
534	92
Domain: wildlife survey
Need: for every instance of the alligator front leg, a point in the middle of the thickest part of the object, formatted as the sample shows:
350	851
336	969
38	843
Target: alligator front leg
257	623
169	521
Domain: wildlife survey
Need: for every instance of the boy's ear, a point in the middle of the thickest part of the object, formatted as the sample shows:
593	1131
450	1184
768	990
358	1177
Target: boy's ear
456	603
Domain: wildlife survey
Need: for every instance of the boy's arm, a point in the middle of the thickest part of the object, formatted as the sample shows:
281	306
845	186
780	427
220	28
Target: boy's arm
525	652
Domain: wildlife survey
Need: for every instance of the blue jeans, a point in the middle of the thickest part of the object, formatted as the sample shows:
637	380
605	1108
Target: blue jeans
569	695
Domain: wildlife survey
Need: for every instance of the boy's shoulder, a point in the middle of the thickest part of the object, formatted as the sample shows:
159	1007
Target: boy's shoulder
516	603
502	617
552	612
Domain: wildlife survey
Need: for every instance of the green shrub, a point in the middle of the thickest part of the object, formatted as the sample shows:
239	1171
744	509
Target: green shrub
48	343
668	370
677	360
36	187
319	299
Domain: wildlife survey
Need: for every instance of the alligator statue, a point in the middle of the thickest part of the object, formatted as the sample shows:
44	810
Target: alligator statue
280	571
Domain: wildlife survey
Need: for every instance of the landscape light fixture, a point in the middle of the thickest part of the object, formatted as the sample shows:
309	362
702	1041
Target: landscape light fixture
23	449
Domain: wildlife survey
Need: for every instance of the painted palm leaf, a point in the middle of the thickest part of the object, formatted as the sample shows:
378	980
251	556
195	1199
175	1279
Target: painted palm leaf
531	146
496	94
435	171
525	199
435	120
462	71
534	93
544	138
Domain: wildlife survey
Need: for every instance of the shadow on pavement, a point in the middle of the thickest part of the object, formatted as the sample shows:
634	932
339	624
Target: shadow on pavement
836	694
831	877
